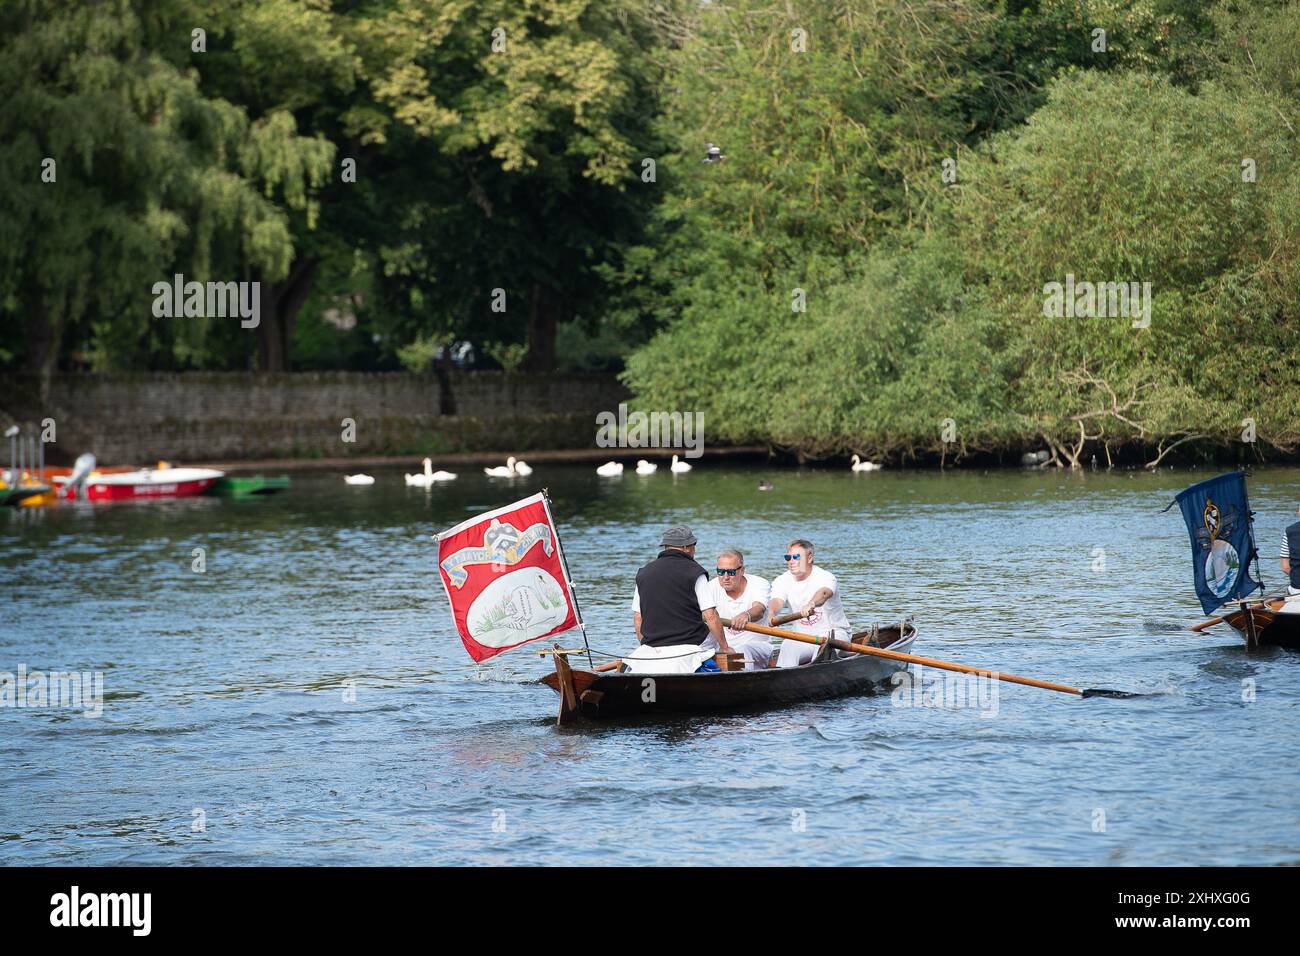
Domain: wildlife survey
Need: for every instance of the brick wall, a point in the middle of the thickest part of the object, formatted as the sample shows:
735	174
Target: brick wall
194	416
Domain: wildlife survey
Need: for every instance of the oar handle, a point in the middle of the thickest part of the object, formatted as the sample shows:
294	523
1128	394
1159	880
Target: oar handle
785	619
910	658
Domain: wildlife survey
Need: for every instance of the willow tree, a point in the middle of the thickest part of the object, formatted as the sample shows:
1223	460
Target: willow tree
116	169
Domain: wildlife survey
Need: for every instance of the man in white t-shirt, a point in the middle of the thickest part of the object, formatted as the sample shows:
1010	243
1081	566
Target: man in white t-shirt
813	593
741	599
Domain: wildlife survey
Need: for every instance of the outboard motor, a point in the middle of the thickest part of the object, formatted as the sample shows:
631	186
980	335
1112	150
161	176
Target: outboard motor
12	434
83	466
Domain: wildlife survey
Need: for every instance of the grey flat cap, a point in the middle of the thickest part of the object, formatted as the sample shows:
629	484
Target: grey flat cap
678	536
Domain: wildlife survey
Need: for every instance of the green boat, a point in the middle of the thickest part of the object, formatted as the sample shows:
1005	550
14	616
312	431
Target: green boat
13	496
249	486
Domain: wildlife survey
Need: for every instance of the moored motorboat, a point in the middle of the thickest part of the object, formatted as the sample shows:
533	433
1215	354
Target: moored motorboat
145	483
613	695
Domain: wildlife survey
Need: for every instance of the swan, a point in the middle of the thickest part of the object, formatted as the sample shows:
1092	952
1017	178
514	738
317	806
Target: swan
523	468
644	467
858	464
611	469
422	479
502	471
678	467
359	479
443	476
521	607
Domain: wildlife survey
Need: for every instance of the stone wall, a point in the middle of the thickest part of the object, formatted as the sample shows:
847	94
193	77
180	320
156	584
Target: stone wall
197	416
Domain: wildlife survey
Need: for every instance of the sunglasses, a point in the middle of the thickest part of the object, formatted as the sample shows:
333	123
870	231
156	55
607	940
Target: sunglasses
727	572
793	557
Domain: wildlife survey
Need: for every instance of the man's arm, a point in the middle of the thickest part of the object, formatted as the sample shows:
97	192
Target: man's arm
821	597
636	623
714	622
1286	565
748	616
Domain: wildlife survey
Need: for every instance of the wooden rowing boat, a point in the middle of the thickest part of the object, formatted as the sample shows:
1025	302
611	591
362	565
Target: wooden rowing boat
612	695
1274	623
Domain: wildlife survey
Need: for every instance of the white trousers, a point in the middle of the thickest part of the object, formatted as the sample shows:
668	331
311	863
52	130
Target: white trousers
794	653
757	651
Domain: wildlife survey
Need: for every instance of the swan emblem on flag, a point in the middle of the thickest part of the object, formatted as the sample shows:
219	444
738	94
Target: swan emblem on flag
518	606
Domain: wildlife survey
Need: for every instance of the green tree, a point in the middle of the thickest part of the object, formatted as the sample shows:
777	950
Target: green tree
148	176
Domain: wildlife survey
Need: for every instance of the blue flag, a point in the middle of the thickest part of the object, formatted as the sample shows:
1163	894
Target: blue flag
1223	541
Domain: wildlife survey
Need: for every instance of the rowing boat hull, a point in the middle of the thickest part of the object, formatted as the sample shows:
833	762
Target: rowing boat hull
601	696
1274	626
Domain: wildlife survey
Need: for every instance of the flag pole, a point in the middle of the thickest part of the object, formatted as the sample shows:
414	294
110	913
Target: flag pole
568	578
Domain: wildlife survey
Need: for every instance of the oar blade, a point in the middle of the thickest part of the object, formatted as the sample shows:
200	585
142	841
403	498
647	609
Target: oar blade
1119	694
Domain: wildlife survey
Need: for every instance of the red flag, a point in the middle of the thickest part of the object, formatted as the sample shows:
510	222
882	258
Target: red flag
505	579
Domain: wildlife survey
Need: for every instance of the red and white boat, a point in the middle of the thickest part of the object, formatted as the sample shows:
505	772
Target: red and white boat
142	483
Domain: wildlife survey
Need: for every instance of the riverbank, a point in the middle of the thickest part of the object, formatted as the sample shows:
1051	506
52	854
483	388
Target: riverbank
242	416
568	456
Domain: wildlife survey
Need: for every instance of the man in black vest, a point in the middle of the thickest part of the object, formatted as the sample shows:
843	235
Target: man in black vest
1291	555
673	603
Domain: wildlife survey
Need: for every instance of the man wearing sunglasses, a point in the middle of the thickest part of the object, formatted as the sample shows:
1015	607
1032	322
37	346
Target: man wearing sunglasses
742	599
811	591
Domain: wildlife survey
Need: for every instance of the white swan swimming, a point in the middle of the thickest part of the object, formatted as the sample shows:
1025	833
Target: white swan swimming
678	467
858	464
359	479
611	469
502	471
422	479
522	468
644	467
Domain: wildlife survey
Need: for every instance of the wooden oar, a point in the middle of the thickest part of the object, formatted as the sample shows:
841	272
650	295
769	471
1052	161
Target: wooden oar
785	618
930	662
1265	602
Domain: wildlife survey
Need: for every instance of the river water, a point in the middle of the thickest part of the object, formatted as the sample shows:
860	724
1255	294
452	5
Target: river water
305	700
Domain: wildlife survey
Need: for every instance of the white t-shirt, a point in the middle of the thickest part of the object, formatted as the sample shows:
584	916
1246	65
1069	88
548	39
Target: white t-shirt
798	593
703	594
756	589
